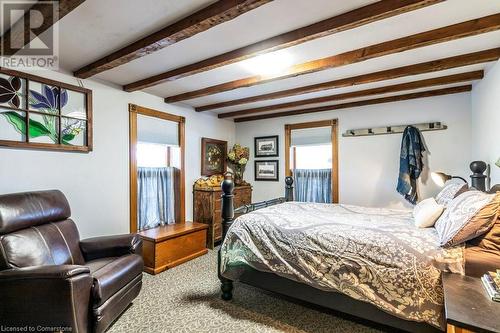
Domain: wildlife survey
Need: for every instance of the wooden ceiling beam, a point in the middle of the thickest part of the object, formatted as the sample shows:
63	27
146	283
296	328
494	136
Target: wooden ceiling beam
430	93
19	32
204	19
432	37
350	20
437	81
422	68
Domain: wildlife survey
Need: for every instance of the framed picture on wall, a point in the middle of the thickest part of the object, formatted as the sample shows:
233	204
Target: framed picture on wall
267	170
213	157
266	146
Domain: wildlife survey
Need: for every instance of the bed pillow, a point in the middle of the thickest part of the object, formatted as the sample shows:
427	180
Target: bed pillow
468	216
426	213
490	240
451	188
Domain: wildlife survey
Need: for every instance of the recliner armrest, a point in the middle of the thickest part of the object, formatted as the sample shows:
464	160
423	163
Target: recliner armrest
46	296
44	272
111	246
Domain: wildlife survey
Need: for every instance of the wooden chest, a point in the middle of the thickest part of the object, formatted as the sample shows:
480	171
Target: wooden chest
207	208
171	245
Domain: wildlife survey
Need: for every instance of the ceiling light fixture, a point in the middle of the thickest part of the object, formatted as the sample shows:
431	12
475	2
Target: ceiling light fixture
269	64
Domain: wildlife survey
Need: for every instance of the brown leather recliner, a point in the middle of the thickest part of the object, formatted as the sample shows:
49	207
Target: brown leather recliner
50	279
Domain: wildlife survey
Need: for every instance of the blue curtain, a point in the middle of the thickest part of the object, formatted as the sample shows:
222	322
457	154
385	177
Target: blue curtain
313	185
156	197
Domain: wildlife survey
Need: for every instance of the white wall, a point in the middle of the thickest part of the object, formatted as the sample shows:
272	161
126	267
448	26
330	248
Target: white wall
486	120
97	184
369	166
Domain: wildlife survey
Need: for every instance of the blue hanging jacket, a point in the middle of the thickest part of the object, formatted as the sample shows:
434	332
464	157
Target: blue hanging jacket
410	163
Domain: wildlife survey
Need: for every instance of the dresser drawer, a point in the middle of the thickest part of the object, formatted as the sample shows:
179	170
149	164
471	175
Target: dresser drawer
208	208
242	197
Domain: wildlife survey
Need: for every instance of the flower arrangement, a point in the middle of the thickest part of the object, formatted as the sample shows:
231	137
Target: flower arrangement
238	158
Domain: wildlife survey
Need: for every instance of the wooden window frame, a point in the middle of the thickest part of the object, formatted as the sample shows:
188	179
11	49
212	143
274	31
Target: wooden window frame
50	146
134	111
333	123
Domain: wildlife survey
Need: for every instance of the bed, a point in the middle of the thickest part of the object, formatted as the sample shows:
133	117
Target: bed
372	263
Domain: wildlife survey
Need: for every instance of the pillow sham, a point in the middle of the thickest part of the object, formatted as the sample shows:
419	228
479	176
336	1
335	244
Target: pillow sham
450	190
469	215
490	240
426	213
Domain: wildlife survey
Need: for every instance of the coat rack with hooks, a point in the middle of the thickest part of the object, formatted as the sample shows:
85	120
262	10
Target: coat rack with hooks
435	126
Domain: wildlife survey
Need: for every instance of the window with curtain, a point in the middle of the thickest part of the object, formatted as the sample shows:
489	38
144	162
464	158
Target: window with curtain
313	185
311	164
156	193
158	168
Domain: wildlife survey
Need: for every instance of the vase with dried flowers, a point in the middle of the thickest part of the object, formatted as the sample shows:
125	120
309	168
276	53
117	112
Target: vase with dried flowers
238	158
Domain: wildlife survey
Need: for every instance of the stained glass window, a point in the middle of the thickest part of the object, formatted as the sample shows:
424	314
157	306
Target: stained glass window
40	113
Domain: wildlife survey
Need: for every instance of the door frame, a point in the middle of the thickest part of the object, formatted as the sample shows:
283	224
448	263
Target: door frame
134	111
333	123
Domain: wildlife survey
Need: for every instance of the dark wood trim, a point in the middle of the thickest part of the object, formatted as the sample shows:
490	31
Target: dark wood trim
437	81
312	124
90	120
335	163
40	79
432	37
431	93
156	114
133	169
135	110
27	144
204	142
350	20
288	142
422	68
44	146
182	177
204	19
19	34
333	124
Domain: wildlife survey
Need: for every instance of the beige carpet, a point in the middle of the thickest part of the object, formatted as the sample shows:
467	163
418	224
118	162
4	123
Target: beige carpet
186	299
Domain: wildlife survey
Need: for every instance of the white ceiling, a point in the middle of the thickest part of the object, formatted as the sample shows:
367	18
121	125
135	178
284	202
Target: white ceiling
96	28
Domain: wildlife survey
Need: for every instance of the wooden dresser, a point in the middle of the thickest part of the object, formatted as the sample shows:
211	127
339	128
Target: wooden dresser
207	208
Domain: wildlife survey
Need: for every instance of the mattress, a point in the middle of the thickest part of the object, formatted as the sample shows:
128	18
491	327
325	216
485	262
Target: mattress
373	255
